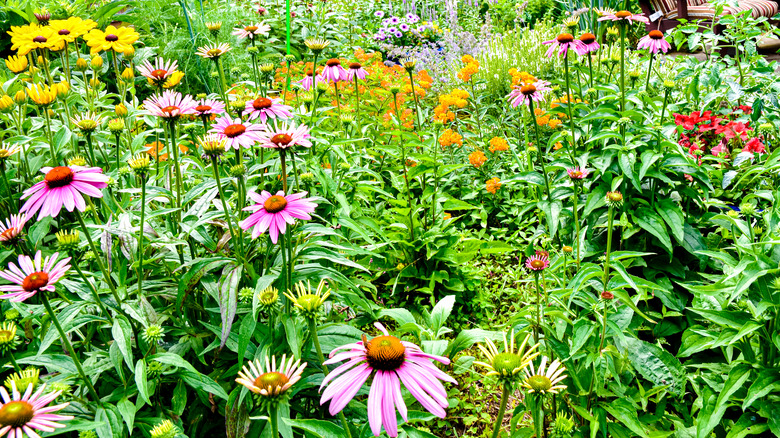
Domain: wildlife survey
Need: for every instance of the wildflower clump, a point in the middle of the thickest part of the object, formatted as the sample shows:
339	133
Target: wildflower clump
449	138
470	69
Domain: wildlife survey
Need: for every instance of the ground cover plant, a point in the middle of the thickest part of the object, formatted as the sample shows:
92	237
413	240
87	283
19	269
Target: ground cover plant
471	219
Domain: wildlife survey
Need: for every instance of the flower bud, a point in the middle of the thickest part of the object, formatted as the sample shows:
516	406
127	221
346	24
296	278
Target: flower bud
237	170
116	126
120	110
77	160
20	98
67	241
96	62
614	199
127	74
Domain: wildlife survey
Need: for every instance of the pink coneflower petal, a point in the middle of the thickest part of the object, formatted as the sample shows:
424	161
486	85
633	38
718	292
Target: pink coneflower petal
273	213
63	185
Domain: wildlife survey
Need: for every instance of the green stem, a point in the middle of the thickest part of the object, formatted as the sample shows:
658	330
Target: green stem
569	103
622	66
576	225
283	160
48	134
95	295
141	236
501	410
98	258
357	102
605	279
539	148
649	70
537	328
215	168
69	347
272	418
416	102
13	361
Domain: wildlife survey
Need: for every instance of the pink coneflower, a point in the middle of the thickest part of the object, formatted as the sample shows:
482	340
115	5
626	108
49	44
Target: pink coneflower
285	136
207	107
274	212
589	44
32	276
537	263
577	173
236	132
63	185
159	71
654	42
212	51
12	228
273	380
562	43
267	108
170	105
355	69
252	30
526	93
333	71
308	81
21	414
626	17
391	361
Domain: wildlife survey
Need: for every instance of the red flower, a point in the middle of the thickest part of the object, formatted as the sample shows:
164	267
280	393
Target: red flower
745	109
720	149
754	146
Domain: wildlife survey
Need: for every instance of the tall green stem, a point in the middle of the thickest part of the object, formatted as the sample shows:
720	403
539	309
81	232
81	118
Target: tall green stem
416	102
622	65
357	101
649	70
274	420
142	177
538	327
69	347
540	149
605	279
569	103
501	410
215	169
98	258
576	224
95	295
48	135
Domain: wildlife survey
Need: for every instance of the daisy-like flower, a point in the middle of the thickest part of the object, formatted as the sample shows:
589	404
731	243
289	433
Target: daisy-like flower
654	42
356	69
537	262
562	43
251	31
271	381
589	44
6	150
274	212
170	105
526	93
213	51
87	122
236	132
265	108
507	364
42	95
12	228
118	39
614	199
577	173
316	45
158	72
72	27
333	71
391	361
545	380
308	81
63	185
21	413
285	136
308	303
207	107
625	16
32	36
16	63
33	276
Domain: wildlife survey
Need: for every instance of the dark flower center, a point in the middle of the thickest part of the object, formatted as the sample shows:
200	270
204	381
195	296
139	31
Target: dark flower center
656	34
35	281
59	176
275	204
262	103
270	381
281	139
16	414
623	14
202	108
355	66
565	38
528	89
159	73
588	38
233	131
40	39
64	32
384	353
250	28
111	37
9	233
333	62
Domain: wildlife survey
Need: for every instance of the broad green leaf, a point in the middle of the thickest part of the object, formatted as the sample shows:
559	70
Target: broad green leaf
766	382
652	223
713	409
127	410
654	364
626	414
123	333
673	216
140	381
441	311
316	428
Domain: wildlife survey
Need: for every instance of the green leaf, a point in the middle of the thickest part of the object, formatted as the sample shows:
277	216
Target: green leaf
766	382
317	428
441	312
654	363
122	334
712	412
626	414
140	381
228	302
190	375
127	410
673	216
245	336
652	223
467	338
552	211
400	316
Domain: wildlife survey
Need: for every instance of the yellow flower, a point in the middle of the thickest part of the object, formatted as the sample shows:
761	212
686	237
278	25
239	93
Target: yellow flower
172	80
6	103
61	88
118	39
42	94
16	64
72	28
30	37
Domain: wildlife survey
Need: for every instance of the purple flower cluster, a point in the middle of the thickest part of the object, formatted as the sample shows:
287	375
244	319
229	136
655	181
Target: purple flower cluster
397	28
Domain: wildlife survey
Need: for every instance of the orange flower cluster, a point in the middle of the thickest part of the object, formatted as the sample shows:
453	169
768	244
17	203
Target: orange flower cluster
375	88
543	118
521	77
449	138
492	185
471	68
456	98
498	144
477	158
565	99
154	148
